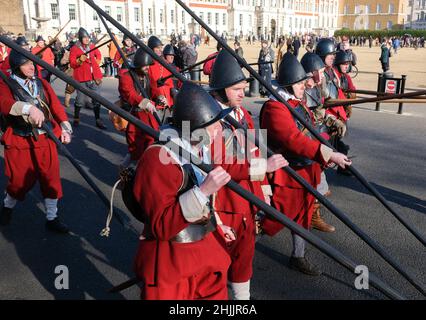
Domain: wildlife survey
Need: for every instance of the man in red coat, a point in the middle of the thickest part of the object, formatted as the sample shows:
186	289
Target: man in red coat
30	156
241	159
179	257
208	66
4	52
142	108
161	94
46	55
288	136
88	73
128	49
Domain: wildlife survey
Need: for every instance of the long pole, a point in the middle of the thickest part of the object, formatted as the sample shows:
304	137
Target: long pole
311	238
69	156
307	125
322	199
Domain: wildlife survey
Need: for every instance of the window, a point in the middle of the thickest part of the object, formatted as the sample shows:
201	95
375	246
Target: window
241	20
183	18
149	15
137	14
378	26
389	25
224	19
202	15
95	16
172	16
119	14
346	9
391	8
71	9
367	8
161	15
55	11
209	18
379	8
108	10
356	11
216	18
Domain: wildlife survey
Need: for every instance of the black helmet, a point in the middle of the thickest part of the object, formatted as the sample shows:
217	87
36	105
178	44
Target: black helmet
21	41
82	33
312	62
342	57
290	71
39	38
226	72
325	47
195	105
141	59
168	50
154	42
16	60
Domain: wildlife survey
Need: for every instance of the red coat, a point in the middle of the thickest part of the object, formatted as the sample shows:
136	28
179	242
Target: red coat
208	66
4	53
47	56
284	137
156	72
89	70
137	140
171	270
28	160
58	112
5	66
118	61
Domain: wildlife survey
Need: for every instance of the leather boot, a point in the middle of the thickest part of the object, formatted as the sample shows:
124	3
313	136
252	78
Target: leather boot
67	100
304	266
318	223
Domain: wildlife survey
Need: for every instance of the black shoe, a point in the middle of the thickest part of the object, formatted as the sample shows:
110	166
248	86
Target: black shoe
5	216
100	124
56	226
304	266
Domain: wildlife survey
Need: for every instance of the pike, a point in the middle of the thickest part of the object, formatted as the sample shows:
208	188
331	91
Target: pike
374	93
97	47
161	81
306	185
323	246
308	126
68	154
377	99
126	63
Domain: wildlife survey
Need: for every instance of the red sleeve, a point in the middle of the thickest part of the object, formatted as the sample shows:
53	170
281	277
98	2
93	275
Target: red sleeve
7	100
56	108
156	187
48	56
117	59
284	135
74	55
208	66
97	54
137	140
127	90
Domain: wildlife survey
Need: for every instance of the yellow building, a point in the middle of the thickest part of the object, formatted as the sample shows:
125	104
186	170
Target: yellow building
372	14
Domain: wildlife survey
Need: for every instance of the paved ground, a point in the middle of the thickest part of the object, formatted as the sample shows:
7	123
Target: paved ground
389	149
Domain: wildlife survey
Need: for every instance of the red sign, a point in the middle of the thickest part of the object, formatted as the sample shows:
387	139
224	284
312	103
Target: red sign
390	86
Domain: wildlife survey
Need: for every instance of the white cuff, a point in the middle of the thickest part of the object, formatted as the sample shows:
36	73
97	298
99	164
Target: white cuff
26	109
19	107
326	152
194	205
257	169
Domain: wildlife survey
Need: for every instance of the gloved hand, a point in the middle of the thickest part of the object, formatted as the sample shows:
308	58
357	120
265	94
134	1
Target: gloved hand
340	127
147	105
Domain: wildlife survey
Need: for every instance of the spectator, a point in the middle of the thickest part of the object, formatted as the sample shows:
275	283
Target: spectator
385	55
238	49
266	69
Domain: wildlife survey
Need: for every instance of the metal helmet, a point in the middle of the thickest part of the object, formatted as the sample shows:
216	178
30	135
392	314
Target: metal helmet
195	105
16	60
141	59
342	57
22	41
154	42
82	33
325	47
290	71
312	62
39	38
168	50
226	72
